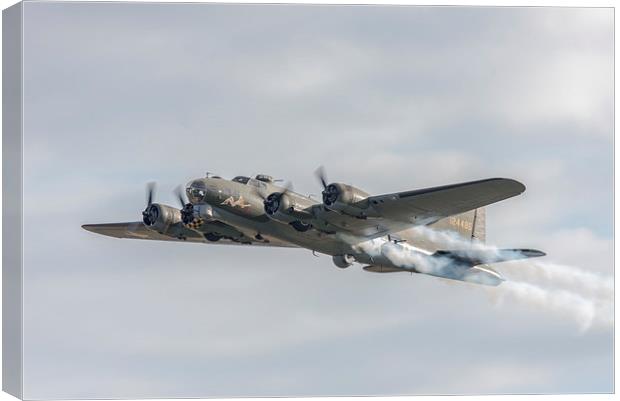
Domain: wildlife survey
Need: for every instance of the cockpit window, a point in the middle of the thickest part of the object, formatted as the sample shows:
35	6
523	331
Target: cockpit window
241	179
198	184
264	178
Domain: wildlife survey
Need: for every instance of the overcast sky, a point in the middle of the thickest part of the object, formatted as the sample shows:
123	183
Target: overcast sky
386	98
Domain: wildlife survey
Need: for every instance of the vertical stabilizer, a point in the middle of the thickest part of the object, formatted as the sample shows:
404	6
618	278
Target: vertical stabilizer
479	230
469	225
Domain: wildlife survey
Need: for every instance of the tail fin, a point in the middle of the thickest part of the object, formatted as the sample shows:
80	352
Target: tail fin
479	230
470	225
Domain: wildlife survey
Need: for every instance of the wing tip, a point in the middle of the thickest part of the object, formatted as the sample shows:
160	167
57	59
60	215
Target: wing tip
515	185
89	227
532	253
100	229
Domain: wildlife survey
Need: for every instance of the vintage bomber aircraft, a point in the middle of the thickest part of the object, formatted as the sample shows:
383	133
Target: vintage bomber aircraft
382	232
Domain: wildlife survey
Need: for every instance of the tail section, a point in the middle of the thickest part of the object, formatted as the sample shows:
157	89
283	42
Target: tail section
479	230
472	265
470	225
474	257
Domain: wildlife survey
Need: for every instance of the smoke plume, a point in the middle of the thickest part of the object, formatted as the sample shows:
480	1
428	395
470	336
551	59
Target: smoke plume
569	291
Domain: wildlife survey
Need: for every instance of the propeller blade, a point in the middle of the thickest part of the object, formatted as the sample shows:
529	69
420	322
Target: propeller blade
180	196
287	187
150	193
320	174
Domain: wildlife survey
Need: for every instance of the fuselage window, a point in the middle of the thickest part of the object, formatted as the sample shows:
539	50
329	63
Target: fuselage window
241	179
264	178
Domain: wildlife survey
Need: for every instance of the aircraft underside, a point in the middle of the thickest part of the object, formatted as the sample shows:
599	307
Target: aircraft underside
434	231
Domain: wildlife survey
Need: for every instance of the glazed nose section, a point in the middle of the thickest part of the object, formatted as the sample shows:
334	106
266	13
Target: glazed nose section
196	191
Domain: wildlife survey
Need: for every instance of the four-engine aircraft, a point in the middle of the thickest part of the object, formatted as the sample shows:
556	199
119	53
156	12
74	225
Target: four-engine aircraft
436	231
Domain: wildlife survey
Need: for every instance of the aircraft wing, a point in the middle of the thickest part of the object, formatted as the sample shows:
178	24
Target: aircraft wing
137	230
425	206
399	211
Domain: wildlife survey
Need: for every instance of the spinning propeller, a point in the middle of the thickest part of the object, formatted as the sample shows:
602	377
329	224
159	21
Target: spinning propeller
150	213
273	201
187	209
330	191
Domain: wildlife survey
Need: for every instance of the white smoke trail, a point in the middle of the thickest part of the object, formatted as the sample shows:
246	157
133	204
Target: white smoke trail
585	311
577	279
568	291
401	255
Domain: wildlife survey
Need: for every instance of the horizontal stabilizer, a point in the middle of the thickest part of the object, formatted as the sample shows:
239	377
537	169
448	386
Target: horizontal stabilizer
474	257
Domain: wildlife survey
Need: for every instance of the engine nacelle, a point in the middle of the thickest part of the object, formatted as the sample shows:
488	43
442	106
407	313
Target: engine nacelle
160	217
279	206
343	261
346	199
194	216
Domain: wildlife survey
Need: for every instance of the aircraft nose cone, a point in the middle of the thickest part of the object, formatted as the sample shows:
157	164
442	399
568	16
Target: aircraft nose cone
196	191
